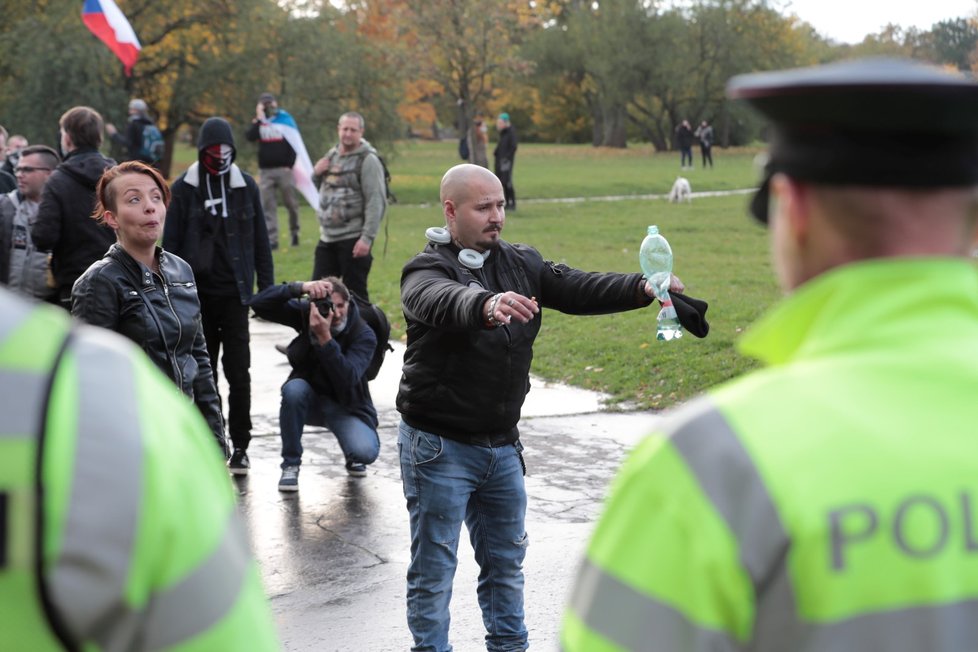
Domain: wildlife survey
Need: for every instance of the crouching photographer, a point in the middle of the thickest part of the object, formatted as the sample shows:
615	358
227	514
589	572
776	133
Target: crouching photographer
328	385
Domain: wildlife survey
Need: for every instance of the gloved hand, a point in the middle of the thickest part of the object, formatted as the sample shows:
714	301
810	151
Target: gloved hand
691	313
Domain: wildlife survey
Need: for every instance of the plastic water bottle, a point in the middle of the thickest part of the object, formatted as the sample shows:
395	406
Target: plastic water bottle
655	257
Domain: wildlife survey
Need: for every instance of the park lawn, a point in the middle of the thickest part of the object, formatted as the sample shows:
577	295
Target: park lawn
720	254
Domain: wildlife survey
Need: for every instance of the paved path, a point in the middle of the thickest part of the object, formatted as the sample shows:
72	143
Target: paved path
334	555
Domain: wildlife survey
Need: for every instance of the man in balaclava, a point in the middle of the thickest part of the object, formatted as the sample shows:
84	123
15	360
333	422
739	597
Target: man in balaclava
216	223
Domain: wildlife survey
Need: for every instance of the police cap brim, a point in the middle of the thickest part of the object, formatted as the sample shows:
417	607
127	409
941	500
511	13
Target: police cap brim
875	122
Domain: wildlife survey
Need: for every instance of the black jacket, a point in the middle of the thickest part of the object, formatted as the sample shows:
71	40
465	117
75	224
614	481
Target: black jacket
64	225
462	379
189	231
111	294
506	148
133	138
338	368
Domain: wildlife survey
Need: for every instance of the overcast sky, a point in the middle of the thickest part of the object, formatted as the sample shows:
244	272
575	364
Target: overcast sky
848	21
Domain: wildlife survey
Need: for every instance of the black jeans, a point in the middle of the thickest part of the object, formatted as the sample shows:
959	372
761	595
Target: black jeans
225	322
707	155
336	259
506	179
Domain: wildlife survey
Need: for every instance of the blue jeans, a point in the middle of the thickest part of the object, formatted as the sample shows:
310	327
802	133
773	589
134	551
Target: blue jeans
445	483
302	406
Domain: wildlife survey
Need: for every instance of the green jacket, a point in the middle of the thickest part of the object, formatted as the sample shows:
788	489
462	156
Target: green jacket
352	195
118	525
826	502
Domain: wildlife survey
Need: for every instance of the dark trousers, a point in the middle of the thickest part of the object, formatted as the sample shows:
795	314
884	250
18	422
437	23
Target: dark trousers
686	154
225	322
707	154
336	259
506	178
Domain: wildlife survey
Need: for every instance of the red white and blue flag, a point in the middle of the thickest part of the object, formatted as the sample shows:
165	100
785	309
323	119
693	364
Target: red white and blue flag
302	168
107	22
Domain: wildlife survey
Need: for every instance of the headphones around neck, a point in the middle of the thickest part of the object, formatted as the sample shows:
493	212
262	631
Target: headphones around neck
439	235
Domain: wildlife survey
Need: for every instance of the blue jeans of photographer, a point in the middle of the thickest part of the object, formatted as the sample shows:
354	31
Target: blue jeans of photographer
301	406
445	483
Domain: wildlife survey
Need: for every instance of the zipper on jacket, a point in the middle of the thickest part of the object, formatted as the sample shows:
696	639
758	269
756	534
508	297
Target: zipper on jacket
172	353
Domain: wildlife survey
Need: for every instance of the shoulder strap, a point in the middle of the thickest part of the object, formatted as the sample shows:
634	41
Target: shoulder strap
57	624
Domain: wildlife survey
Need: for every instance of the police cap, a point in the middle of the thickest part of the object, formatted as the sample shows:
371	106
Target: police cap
879	122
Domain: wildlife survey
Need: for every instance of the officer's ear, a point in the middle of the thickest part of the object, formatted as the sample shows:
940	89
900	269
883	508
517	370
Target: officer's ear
792	200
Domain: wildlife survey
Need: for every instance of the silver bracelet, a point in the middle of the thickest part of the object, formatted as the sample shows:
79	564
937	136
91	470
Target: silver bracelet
491	312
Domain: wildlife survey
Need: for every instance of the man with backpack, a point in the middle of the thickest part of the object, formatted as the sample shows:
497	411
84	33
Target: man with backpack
143	140
330	358
352	201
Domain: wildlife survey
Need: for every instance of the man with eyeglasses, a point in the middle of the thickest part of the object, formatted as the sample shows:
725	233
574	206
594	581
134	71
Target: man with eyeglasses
22	266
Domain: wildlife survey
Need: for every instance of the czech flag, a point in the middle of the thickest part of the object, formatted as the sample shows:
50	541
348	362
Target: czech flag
104	19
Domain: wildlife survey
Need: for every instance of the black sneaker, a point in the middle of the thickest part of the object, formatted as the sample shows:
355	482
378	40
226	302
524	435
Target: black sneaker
290	479
239	464
295	239
356	469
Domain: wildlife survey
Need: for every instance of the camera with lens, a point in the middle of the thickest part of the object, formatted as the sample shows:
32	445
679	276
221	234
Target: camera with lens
324	305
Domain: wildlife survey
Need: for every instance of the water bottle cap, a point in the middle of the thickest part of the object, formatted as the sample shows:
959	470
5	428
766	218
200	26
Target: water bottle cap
653	229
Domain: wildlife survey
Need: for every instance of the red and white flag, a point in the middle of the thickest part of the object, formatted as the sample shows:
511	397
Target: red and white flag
107	22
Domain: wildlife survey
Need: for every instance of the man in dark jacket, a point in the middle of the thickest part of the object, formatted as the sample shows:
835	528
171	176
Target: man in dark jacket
215	223
132	139
504	157
276	156
64	225
328	383
472	305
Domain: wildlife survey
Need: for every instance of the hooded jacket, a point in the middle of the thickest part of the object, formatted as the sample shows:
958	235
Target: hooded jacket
64	225
192	232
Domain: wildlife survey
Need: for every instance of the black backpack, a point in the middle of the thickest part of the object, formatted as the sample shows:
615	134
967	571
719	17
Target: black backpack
375	318
391	198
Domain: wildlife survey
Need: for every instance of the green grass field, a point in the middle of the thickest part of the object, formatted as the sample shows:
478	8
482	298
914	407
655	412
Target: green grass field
720	254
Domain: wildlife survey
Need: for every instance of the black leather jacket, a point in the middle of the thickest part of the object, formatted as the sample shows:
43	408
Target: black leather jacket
463	380
116	292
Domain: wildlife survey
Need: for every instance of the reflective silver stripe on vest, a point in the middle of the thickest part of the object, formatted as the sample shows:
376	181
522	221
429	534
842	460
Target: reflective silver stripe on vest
105	507
940	628
635	621
20	404
89	580
204	597
730	480
13	312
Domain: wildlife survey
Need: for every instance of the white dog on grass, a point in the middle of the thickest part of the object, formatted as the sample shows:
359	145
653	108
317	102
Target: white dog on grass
681	191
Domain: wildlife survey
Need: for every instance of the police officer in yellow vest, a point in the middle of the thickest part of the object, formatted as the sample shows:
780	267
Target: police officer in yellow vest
118	528
830	500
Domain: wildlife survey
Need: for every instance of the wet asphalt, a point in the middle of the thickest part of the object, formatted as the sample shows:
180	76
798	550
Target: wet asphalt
334	555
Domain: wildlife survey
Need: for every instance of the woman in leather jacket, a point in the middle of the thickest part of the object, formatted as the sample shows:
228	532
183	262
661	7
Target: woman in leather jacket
145	293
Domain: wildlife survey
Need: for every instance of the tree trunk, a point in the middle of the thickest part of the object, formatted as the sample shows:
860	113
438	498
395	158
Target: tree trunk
614	132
